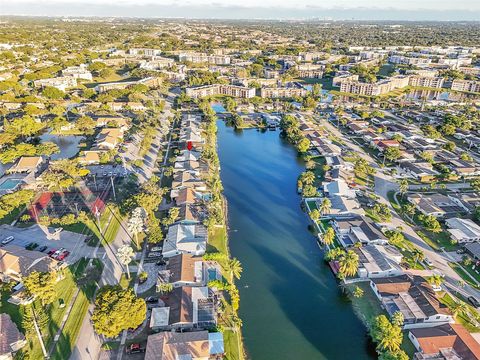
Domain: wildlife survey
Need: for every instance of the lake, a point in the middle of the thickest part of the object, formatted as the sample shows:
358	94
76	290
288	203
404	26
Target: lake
291	305
68	145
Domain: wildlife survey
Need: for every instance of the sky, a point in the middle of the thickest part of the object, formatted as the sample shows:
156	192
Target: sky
252	9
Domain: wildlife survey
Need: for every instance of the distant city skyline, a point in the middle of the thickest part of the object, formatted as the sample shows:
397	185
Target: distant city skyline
467	10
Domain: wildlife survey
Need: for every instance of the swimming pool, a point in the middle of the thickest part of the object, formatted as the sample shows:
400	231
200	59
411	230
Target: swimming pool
10	184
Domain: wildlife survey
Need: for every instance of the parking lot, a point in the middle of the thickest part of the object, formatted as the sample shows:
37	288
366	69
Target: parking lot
43	236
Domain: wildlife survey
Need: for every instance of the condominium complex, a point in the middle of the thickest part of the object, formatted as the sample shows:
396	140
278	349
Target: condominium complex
282	92
150	82
205	58
426	81
310	71
466	85
61	83
220	89
374	89
78	72
405	60
343	77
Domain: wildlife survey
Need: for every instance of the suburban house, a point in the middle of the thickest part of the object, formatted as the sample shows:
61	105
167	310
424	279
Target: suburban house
186	307
27	164
11	339
437	205
338	188
187	196
378	261
448	341
192	214
464	168
467	201
90	157
414	298
186	155
16	262
183	270
185	239
358	229
422	171
189	180
194	345
463	230
473	249
109	138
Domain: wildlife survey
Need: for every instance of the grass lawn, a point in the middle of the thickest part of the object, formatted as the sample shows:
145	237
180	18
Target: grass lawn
463	274
110	232
231	342
469	320
217	240
366	307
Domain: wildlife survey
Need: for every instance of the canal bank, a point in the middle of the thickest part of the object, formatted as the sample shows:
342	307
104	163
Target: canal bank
291	305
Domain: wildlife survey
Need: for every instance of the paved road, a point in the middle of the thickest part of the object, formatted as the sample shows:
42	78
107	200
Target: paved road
89	344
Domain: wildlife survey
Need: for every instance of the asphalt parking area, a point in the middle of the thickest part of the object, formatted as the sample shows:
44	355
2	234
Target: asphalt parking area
43	236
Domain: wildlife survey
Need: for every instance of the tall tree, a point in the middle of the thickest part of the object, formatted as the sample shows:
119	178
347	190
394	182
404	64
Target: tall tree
125	254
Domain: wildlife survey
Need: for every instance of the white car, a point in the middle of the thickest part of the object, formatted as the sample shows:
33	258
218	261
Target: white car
437	288
7	240
428	262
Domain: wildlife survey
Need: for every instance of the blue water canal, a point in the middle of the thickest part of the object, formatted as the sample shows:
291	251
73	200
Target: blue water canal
290	305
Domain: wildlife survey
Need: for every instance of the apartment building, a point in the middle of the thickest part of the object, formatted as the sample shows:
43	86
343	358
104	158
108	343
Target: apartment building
78	72
220	89
343	77
282	92
205	58
426	81
406	60
374	89
310	71
466	85
150	81
61	83
144	51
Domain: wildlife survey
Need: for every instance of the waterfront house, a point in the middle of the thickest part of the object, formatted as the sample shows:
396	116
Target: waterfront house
186	307
186	155
186	179
109	138
414	298
194	345
185	239
438	205
186	196
463	230
378	261
448	341
357	229
11	339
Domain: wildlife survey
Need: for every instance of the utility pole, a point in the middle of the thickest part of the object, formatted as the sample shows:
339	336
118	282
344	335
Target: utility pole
113	187
37	330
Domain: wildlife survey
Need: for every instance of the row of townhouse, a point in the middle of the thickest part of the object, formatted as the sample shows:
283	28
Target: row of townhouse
180	323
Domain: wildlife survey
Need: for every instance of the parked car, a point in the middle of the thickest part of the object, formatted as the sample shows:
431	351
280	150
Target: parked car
51	252
7	240
151	299
63	255
161	263
472	300
31	246
154	254
42	248
428	262
437	287
460	251
135	349
156	248
58	252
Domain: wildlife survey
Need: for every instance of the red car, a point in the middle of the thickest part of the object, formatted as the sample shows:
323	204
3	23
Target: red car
63	255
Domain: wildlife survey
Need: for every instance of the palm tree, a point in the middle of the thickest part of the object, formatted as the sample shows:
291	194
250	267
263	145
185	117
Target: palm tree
418	255
325	206
328	237
308	177
234	267
458	308
436	280
392	339
135	224
125	254
403	186
349	263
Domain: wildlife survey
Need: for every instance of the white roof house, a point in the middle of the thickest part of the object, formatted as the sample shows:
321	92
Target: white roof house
338	187
463	230
185	239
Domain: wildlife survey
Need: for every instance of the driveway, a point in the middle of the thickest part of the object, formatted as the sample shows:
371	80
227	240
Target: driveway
45	236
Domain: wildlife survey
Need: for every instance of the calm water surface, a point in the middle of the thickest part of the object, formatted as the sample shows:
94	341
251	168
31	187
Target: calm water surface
290	305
